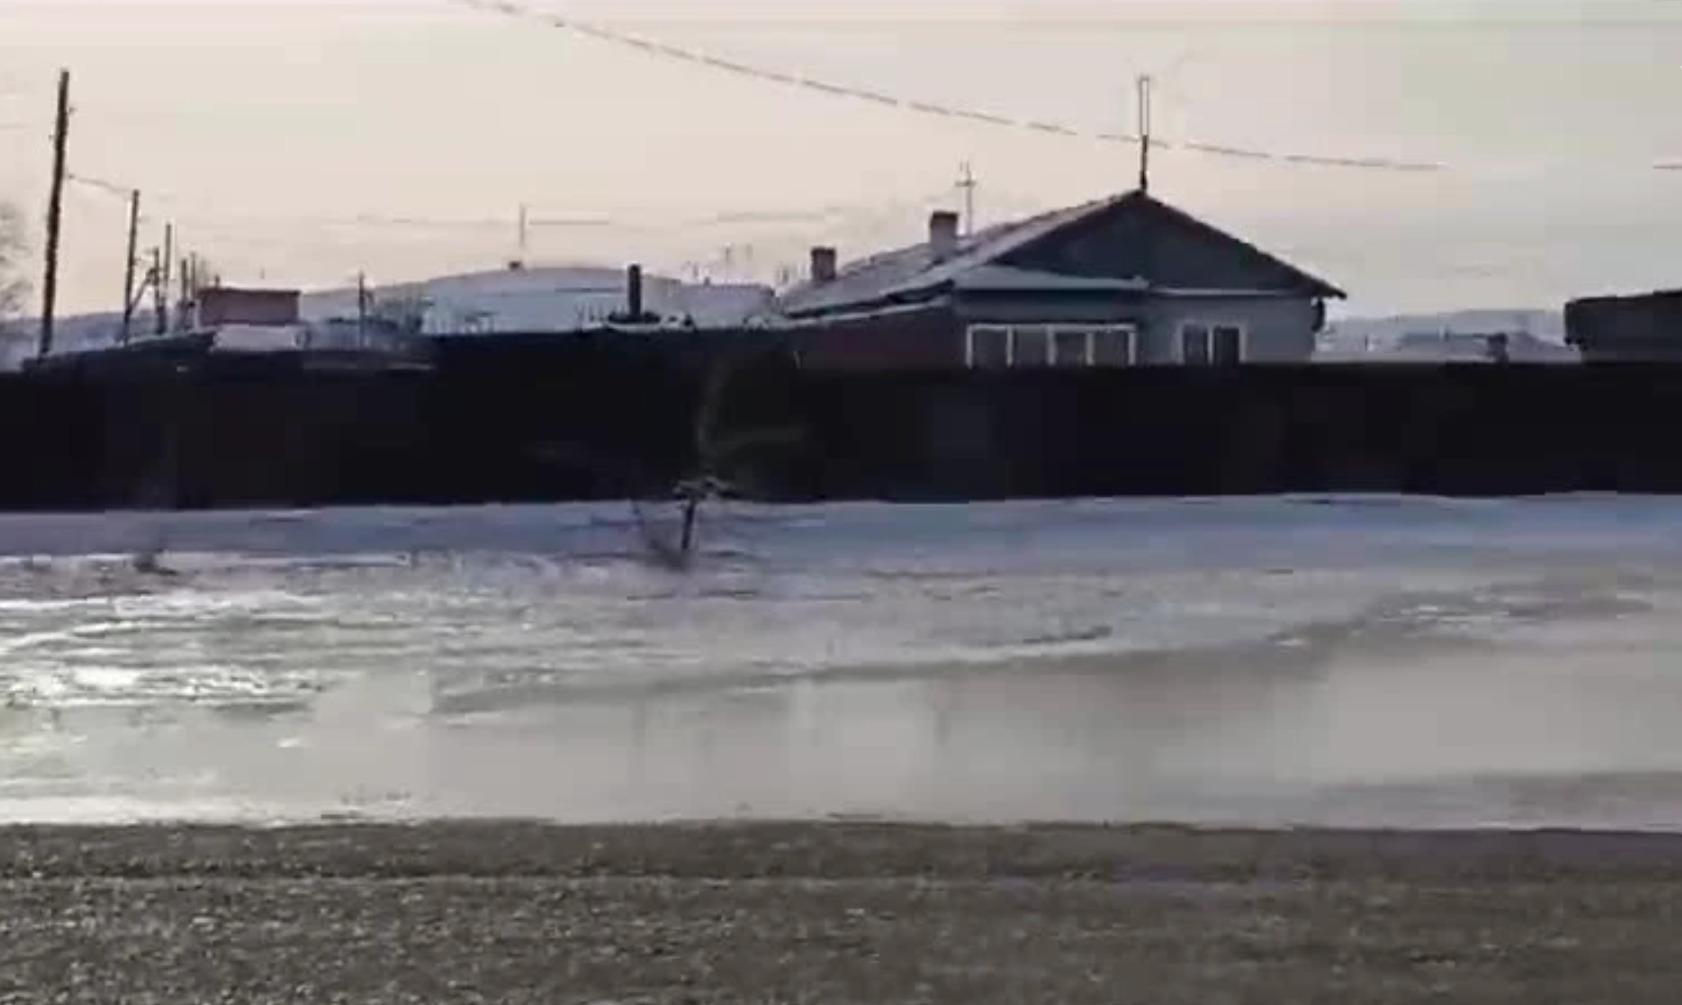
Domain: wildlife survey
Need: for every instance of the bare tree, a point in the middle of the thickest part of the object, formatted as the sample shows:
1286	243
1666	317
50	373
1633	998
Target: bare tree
13	287
726	451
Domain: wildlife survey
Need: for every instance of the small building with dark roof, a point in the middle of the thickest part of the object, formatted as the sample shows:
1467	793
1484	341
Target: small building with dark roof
1644	328
1122	281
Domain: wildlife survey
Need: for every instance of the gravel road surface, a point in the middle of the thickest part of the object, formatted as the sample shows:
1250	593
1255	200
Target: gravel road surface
507	912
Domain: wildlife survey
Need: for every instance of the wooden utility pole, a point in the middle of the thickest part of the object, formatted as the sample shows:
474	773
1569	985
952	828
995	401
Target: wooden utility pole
156	276
128	269
185	298
1145	134
55	213
164	278
361	310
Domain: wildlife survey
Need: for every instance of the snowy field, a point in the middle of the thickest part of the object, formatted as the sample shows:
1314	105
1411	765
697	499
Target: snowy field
1348	661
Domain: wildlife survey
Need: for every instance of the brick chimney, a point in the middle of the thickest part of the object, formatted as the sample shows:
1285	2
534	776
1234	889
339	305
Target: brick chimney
823	265
943	234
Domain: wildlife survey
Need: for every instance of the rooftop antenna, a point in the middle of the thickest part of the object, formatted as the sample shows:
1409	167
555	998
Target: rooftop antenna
967	185
524	235
1145	133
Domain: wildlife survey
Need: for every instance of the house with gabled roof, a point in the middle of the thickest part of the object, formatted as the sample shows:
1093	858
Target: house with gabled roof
1122	281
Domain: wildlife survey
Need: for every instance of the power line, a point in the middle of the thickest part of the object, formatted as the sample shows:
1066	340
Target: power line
535	220
99	184
665	50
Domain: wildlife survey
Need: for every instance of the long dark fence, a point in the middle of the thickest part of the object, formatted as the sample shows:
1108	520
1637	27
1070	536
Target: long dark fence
1442	430
503	420
541	418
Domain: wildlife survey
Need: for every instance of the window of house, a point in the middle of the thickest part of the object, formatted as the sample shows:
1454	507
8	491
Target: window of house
988	347
1228	349
1204	344
1194	345
999	346
1071	347
1030	346
1112	347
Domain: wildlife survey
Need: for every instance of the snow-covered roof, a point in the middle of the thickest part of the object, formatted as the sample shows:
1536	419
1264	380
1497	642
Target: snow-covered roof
910	270
916	272
1008	278
557	299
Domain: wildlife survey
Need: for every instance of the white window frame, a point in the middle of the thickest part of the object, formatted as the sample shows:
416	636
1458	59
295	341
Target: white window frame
1209	328
1088	335
969	343
1045	334
1089	357
1129	332
1243	342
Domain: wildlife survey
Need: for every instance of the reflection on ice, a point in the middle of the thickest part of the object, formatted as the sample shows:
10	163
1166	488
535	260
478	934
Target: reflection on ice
1248	659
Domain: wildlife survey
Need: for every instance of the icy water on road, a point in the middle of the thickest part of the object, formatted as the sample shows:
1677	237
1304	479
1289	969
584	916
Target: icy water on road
1379	662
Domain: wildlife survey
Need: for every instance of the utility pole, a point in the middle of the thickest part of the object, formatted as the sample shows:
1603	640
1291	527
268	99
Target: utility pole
128	267
55	212
156	278
181	303
361	310
164	278
193	285
967	184
1145	134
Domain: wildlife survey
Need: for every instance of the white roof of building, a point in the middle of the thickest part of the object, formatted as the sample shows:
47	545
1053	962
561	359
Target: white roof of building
552	300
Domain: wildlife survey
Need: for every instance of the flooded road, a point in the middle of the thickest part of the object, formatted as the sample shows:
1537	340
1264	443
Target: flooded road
1372	662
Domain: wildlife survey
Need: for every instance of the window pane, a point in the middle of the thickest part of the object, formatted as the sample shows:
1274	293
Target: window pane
1194	345
1229	346
1110	347
988	347
1069	347
1033	347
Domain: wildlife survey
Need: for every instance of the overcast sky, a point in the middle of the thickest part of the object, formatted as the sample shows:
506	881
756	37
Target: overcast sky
292	139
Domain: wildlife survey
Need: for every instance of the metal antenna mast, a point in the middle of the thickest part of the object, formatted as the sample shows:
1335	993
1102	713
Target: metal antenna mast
1145	133
967	184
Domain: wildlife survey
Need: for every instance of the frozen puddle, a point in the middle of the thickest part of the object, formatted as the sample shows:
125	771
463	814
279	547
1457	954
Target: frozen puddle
1382	661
